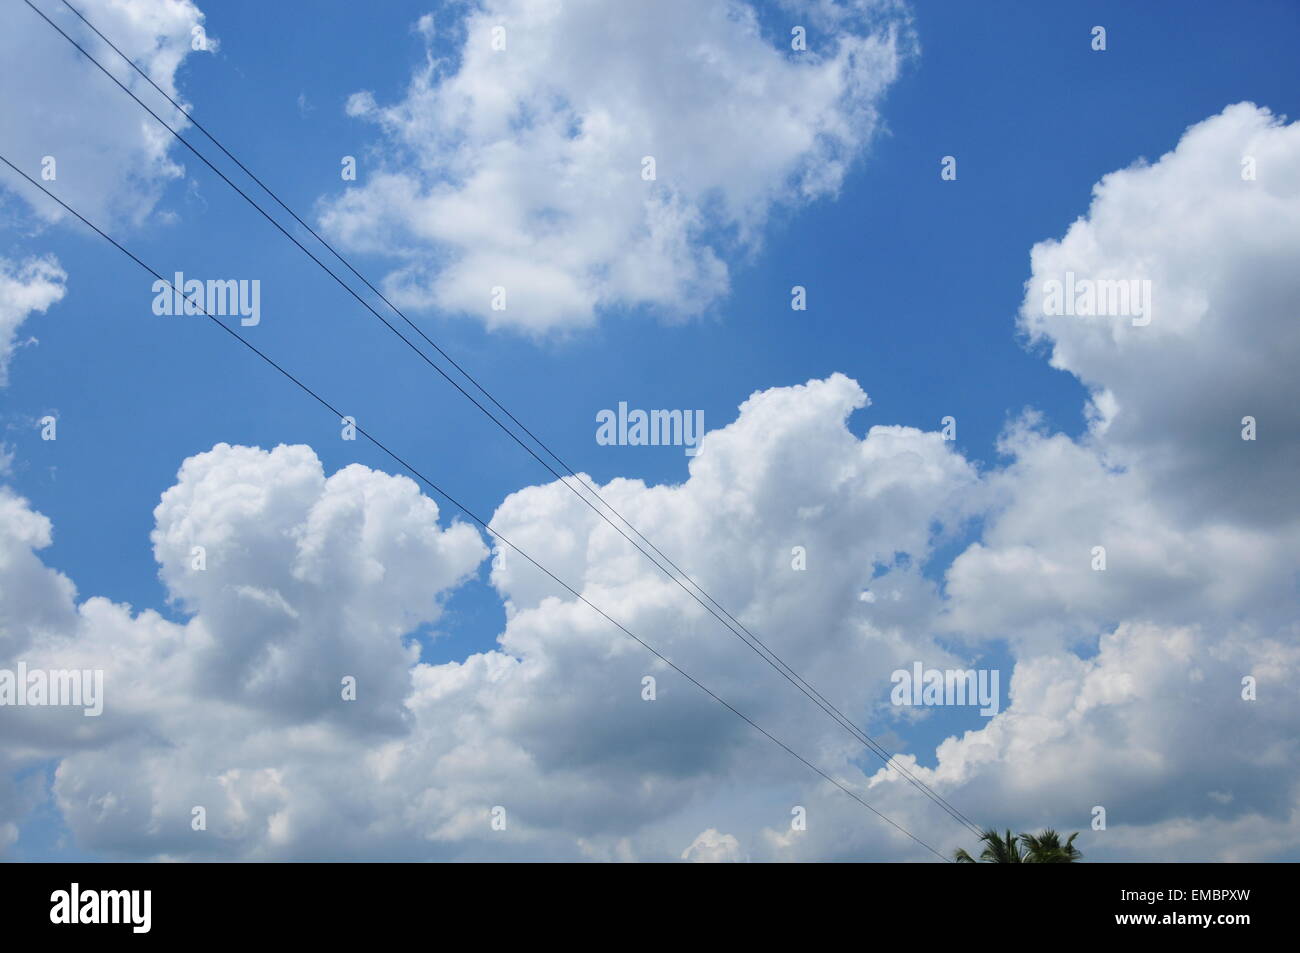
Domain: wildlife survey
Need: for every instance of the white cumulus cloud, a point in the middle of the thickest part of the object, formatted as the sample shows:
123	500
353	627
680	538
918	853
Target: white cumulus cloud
26	287
111	160
523	167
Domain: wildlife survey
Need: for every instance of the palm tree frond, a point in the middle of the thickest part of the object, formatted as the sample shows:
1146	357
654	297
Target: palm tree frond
1045	847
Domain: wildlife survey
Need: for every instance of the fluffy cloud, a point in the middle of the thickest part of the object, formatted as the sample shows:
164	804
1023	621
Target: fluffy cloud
303	580
1199	526
1153	728
112	159
307	578
512	168
1198	523
1222	340
25	287
37	599
1031	577
712	847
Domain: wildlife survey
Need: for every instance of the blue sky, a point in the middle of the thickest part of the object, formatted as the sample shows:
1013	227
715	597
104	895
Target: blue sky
913	283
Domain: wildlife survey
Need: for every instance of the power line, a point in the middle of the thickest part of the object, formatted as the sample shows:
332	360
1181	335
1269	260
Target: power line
730	622
470	513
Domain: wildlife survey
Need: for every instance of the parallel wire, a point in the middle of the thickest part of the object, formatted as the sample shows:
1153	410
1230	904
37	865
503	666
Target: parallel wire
473	516
677	575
